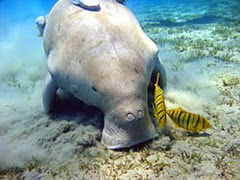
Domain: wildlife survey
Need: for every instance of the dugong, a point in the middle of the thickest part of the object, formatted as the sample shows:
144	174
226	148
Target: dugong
103	58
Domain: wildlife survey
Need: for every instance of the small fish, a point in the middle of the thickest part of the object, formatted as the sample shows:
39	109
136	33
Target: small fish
159	108
187	120
121	1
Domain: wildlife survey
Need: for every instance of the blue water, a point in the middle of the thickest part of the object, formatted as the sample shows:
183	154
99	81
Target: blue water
192	36
17	11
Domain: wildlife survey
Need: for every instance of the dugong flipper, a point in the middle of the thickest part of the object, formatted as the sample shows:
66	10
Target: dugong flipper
49	93
106	60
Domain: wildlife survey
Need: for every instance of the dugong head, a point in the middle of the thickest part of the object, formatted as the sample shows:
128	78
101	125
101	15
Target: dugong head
127	121
127	124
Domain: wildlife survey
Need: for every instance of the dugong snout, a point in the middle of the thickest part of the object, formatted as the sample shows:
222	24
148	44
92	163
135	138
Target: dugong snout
127	129
137	115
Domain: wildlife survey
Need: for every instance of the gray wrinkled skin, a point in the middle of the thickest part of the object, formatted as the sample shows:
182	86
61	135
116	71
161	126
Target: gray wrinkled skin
104	59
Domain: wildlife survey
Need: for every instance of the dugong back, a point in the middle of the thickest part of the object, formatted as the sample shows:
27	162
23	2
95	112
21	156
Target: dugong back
88	47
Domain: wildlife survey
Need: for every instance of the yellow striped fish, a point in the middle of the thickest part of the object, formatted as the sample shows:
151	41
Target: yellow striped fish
159	108
187	120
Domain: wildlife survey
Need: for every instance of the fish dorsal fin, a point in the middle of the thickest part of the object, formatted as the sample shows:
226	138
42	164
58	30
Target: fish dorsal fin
181	109
175	125
91	5
158	75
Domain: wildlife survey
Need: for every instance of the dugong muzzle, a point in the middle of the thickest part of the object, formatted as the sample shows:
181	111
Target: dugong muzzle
104	59
127	132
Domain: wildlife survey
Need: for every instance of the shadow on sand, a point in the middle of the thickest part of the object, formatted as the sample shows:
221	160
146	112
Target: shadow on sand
67	107
196	134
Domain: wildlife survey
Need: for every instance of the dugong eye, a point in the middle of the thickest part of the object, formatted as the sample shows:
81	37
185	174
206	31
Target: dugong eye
93	88
130	117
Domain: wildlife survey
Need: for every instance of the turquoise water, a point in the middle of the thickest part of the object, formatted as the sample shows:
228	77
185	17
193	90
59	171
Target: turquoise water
199	46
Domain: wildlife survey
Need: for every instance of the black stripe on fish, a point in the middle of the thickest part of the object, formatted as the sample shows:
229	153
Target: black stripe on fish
180	121
171	113
160	98
160	112
180	116
158	95
183	117
193	118
161	116
203	124
197	122
158	90
174	114
177	115
158	103
187	119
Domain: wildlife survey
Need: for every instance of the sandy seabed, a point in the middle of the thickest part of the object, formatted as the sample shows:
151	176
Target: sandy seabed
67	143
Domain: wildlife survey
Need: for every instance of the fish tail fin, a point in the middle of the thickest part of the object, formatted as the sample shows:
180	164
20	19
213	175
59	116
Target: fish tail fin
162	122
207	124
169	115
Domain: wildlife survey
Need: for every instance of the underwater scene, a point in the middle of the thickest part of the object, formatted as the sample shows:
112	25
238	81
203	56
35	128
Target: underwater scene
114	89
